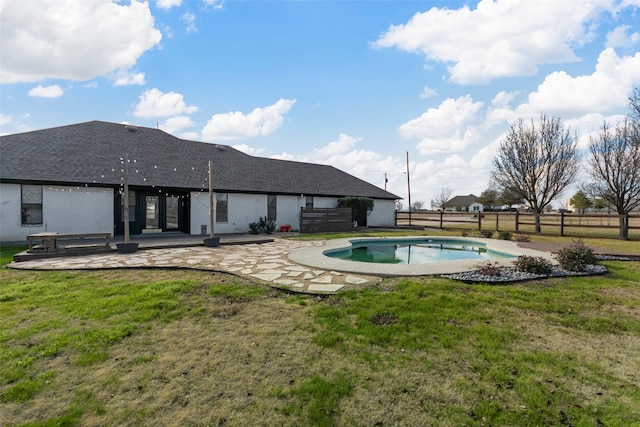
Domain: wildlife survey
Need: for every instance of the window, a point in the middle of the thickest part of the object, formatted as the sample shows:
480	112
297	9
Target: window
309	202
132	206
222	207
272	205
31	204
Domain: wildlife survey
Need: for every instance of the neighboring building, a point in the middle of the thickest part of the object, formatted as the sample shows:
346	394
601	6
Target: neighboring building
69	179
463	204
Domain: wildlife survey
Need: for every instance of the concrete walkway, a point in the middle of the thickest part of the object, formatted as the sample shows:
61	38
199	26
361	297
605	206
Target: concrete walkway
267	262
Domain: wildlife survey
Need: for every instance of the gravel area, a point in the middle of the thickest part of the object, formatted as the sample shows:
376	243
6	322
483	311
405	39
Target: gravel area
509	275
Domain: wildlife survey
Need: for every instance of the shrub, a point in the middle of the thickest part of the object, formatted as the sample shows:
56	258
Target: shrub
522	238
254	228
465	233
361	207
531	264
262	226
576	257
486	233
489	268
504	235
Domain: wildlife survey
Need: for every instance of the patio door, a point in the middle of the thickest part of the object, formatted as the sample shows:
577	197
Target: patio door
152	212
172	213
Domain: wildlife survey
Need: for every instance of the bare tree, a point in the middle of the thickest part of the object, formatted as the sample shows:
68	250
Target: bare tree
615	168
537	161
441	199
418	205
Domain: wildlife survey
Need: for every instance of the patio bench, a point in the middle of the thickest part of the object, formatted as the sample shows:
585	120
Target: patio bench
50	241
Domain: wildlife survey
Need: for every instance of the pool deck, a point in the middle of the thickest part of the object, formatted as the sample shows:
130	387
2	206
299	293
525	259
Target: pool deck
297	265
314	257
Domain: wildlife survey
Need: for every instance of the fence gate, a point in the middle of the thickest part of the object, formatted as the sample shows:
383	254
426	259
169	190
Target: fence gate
323	220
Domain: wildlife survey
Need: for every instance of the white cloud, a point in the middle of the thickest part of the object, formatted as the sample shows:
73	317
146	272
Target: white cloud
215	4
38	43
249	150
499	38
237	125
605	90
342	145
155	103
619	37
175	124
190	20
168	4
428	92
126	78
53	91
444	129
5	119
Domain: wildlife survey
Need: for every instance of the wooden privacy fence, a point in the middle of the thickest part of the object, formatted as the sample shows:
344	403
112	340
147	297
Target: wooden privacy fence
552	223
323	220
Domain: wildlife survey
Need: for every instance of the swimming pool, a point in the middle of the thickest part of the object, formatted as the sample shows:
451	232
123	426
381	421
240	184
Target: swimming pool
504	253
415	251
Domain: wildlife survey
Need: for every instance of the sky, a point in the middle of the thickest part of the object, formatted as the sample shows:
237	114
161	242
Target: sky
356	84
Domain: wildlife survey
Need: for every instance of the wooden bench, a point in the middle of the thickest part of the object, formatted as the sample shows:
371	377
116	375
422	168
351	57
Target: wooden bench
49	241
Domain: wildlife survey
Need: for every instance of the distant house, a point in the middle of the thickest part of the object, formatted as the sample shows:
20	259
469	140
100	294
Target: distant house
463	204
69	179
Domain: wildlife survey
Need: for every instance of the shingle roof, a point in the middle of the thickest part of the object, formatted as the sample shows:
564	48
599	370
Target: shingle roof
462	201
89	153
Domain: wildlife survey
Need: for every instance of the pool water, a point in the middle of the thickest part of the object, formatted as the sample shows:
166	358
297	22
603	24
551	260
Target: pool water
415	252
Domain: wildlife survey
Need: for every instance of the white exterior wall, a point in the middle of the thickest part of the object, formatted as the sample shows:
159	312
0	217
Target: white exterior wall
476	207
247	208
383	214
243	210
65	209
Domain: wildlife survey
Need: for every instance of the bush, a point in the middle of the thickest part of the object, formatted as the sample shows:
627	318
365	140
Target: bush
489	268
486	233
262	226
361	207
254	228
576	257
504	235
522	238
531	264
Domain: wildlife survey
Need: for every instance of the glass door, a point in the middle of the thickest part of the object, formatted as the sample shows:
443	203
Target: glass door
172	204
152	212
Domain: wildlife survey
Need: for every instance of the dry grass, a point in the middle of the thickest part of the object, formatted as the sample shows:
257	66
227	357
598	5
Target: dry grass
247	359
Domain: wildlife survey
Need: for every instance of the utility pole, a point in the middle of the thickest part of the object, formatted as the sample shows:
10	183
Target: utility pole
409	187
385	181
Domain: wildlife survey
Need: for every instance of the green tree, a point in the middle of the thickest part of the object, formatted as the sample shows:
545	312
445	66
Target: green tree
538	161
509	196
361	207
489	198
580	201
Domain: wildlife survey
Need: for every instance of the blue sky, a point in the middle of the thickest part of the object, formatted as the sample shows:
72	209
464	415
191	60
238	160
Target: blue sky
354	84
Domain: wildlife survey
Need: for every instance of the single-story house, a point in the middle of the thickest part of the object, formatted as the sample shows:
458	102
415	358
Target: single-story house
463	204
70	179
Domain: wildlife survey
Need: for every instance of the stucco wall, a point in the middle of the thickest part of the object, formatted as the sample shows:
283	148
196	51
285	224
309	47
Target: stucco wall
64	210
383	214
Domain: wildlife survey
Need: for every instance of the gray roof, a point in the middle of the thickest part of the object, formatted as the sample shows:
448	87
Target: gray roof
462	201
89	154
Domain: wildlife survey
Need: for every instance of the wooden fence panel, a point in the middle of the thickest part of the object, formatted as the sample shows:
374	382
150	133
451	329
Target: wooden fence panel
325	220
552	223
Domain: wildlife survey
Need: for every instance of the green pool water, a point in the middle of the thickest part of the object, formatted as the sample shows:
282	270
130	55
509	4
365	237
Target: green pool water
424	251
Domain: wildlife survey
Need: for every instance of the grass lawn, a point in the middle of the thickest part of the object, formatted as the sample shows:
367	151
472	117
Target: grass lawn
164	347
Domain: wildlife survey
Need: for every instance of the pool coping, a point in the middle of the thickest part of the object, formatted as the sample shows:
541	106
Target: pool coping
314	257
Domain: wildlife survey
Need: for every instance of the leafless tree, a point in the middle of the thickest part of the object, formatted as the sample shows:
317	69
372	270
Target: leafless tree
441	199
615	168
537	161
